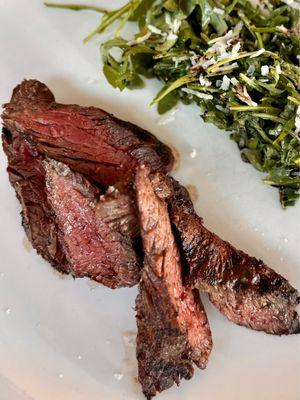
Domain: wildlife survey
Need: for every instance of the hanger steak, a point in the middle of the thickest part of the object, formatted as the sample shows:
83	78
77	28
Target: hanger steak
97	202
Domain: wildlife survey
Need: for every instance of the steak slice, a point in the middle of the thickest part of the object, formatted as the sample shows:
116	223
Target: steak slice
27	176
117	208
243	288
87	139
173	330
92	248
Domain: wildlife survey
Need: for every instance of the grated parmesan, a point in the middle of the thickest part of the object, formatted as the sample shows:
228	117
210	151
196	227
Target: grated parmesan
168	117
292	3
176	25
218	10
168	19
204	81
172	36
155	30
278	69
227	67
207	63
264	70
297	120
250	70
220	108
139	40
235	49
225	83
118	376
258	53
200	95
282	28
193	153
177	60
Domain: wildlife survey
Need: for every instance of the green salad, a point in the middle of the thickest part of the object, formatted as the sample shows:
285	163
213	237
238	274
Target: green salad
237	60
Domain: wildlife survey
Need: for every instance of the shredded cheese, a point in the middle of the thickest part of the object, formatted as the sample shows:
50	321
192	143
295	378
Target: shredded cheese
139	40
258	53
155	30
218	10
204	81
264	70
278	69
200	95
297	120
225	83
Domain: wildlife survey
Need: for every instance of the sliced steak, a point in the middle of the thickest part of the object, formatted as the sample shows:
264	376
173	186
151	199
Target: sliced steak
92	247
243	288
173	330
87	139
27	176
117	208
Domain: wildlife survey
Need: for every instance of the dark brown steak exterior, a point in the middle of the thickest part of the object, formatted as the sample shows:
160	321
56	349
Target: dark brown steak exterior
27	176
173	330
243	288
92	248
87	139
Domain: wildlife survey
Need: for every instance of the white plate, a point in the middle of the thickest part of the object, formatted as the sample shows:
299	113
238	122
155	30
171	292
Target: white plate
63	339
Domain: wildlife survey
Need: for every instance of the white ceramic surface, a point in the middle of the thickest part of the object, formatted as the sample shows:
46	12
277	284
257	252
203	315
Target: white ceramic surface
62	339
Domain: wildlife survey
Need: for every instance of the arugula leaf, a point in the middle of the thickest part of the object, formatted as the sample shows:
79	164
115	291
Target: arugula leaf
124	13
168	102
236	60
210	17
141	10
173	86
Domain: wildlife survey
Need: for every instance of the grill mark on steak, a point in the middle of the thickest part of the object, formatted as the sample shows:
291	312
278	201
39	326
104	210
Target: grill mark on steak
92	248
78	233
173	330
27	176
83	133
243	288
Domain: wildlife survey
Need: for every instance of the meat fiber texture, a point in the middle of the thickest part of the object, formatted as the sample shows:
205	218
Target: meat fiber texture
60	217
118	209
106	149
87	139
96	200
92	142
243	288
27	176
173	330
92	248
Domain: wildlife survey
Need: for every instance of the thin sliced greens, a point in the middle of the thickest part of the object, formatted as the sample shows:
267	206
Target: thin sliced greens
75	7
237	60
